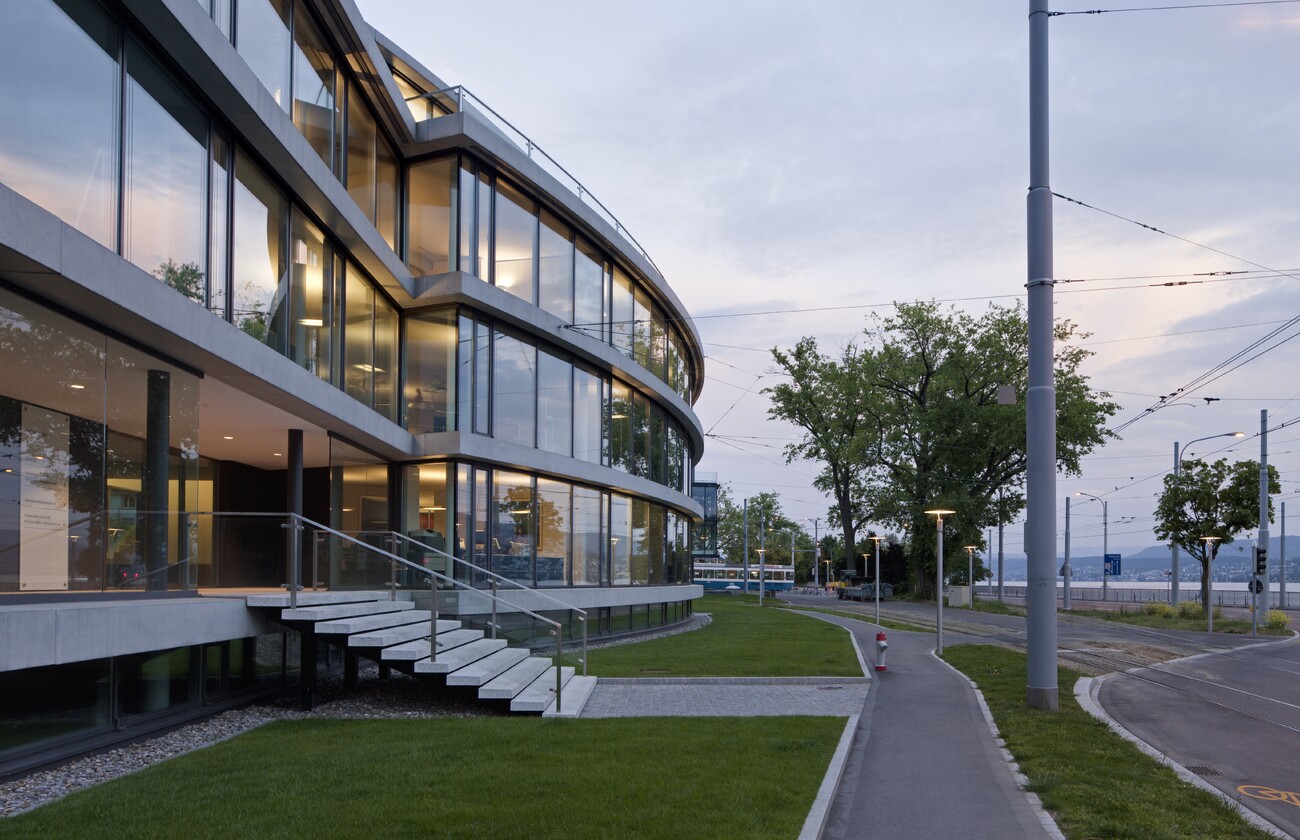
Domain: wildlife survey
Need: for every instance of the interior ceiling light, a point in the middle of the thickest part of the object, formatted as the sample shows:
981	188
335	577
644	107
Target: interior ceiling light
77	387
227	437
311	322
276	454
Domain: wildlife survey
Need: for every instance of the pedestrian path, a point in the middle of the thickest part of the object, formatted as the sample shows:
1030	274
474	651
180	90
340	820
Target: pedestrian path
924	762
727	697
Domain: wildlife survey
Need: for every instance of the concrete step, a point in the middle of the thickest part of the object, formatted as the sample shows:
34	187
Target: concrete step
485	669
459	657
576	693
541	692
391	635
327	613
308	598
419	649
513	681
362	623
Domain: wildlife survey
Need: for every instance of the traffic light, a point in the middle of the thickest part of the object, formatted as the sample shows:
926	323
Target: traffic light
1261	560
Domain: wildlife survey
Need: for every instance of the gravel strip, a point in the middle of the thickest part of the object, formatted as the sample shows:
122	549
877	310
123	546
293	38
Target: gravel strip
399	696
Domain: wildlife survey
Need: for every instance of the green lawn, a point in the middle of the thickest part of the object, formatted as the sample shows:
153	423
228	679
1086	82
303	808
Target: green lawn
744	640
869	617
473	778
1137	617
1093	782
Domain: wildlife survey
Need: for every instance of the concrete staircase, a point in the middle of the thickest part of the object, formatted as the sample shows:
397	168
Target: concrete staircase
396	635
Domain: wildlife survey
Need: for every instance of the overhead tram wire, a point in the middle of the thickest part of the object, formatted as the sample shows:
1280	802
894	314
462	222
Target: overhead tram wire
1181	7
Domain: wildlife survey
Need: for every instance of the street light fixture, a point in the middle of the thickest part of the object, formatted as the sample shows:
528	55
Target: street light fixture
939	514
1105	538
817	552
1209	579
877	540
1173	546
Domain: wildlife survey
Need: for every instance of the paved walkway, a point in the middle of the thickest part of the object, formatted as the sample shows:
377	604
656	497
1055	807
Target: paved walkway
723	697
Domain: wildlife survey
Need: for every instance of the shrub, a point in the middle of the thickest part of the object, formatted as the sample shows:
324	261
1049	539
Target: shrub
1159	609
1276	620
1190	609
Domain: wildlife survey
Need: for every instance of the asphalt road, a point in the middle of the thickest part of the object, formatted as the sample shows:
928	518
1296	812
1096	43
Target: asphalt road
1231	718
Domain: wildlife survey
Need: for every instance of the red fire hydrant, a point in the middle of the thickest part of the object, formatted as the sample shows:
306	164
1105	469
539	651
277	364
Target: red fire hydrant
882	645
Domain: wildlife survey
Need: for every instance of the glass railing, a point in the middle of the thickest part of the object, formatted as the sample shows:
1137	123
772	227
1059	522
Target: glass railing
459	98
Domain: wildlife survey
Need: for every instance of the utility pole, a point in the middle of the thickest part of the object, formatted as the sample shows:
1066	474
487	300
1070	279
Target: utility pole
1040	531
1000	535
762	558
1065	569
817	556
1173	546
1260	582
1281	569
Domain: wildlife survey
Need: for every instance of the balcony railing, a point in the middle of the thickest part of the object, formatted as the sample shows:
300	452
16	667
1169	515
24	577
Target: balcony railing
461	99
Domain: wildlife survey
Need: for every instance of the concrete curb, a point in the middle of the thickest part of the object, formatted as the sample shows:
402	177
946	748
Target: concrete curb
734	680
1086	690
1049	824
820	813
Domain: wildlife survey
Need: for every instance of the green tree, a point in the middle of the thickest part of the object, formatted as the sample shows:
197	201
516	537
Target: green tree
1211	500
764	512
186	278
920	401
824	398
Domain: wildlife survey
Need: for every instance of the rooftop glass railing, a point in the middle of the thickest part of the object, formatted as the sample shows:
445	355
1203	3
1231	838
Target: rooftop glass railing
459	98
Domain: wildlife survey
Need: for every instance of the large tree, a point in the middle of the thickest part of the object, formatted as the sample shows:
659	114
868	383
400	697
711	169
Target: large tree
911	421
764	512
824	398
1211	500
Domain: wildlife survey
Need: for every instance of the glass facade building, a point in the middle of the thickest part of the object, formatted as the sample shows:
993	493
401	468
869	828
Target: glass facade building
255	259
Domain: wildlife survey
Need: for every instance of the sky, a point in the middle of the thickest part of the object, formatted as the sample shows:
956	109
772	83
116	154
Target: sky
816	162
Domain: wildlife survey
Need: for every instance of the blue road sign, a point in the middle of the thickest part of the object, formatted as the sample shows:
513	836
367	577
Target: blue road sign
1112	562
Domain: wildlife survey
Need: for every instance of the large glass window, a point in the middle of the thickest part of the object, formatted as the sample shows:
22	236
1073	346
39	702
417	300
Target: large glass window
386	332
640	541
359	339
514	527
309	309
588	537
620	428
315	109
655	543
386	191
623	313
590	290
430	225
515	242
514	390
620	539
63	155
482	378
363	149
262	38
220	240
554	404
553	531
164	229
641	326
261	218
430	387
555	286
589	440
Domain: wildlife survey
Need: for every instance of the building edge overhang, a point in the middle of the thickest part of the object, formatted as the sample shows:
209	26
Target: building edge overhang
458	287
464	131
51	260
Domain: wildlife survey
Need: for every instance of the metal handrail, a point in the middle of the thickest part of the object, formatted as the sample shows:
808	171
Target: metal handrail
582	614
460	92
295	526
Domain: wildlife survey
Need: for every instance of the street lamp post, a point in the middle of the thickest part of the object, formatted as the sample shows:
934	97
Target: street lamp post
970	572
817	554
829	562
1105	538
876	540
1173	546
938	515
1065	567
1209	578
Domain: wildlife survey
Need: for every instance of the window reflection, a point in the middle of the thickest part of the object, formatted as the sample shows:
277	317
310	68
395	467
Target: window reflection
555	281
514	390
315	111
514	527
554	404
430	386
515	243
431	227
261	214
262	38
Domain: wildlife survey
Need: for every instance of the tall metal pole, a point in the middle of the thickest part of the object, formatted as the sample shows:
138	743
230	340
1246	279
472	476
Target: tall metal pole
938	586
1040	493
1105	546
1173	546
1000	544
817	556
792	556
877	542
1281	569
745	515
1263	523
1065	569
762	555
989	554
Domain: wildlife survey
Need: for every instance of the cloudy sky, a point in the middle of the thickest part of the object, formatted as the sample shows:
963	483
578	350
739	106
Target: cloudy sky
821	160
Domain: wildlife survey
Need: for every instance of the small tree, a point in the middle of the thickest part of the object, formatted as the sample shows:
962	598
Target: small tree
186	278
1211	500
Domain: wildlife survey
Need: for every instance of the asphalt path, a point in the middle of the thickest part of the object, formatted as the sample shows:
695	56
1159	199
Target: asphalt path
1227	708
1231	718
